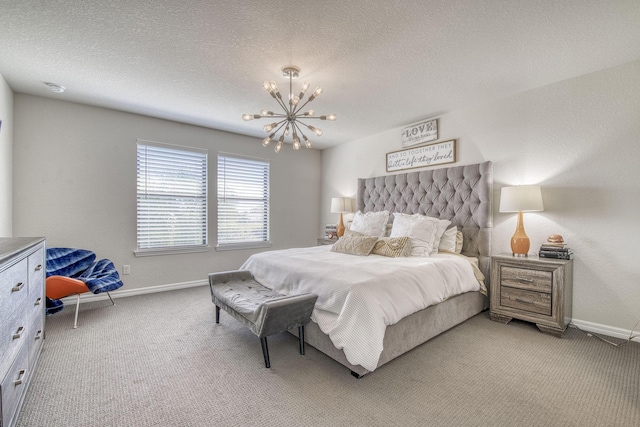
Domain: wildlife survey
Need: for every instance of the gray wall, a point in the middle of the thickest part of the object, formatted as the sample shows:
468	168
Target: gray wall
580	140
75	183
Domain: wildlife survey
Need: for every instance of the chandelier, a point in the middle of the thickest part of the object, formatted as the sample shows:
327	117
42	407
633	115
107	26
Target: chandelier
289	122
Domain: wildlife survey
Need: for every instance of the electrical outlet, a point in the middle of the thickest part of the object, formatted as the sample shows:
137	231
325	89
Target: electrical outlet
126	269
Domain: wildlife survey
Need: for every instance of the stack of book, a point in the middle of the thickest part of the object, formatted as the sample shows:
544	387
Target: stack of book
555	250
330	229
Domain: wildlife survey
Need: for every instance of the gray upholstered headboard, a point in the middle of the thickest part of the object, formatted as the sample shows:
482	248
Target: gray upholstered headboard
461	194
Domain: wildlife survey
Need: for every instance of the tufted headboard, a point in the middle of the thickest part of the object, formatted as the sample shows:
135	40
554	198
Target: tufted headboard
461	194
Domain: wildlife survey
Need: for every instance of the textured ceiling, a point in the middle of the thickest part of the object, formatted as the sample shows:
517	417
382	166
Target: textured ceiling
382	64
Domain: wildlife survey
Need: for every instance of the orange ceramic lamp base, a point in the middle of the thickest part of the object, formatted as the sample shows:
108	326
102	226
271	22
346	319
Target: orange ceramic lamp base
520	241
340	227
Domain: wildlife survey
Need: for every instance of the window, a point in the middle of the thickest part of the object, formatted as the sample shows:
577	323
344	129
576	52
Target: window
243	202
172	198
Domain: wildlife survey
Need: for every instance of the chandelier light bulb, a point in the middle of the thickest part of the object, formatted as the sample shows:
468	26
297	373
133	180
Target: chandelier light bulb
267	86
310	113
248	117
331	117
278	146
295	100
315	130
296	143
267	140
307	143
269	128
266	113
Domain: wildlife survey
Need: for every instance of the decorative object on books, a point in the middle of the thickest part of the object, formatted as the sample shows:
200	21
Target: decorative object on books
439	153
555	238
290	119
341	205
555	248
523	198
421	132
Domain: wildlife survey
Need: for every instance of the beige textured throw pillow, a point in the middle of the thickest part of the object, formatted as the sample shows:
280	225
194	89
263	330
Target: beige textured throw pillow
392	247
355	245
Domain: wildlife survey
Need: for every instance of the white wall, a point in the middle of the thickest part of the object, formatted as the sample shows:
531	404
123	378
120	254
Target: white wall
6	155
580	140
75	183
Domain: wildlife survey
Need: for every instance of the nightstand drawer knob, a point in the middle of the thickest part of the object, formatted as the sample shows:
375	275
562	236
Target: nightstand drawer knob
524	279
524	301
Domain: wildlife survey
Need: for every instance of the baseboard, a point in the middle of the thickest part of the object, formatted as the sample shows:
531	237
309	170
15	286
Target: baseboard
122	293
609	331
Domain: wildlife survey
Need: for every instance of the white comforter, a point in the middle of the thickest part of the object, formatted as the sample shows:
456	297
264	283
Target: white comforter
358	297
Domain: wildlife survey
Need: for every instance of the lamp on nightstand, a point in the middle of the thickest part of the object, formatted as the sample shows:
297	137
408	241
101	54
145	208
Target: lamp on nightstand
523	198
341	205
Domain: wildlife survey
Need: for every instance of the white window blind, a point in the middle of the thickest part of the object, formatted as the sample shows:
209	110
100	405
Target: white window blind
243	201
172	197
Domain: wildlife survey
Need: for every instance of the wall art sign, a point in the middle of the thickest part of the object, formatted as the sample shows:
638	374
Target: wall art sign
422	132
439	153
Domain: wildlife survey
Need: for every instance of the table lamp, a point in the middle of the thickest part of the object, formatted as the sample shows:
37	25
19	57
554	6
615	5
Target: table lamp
341	205
523	198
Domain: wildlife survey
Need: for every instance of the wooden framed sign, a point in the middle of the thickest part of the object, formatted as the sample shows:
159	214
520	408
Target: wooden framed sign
439	153
419	133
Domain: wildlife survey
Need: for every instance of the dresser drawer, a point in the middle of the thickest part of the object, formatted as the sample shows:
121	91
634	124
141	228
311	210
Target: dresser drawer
36	269
525	278
534	302
13	385
14	288
36	336
13	335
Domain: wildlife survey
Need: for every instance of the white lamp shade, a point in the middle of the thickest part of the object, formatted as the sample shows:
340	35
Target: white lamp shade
341	204
523	198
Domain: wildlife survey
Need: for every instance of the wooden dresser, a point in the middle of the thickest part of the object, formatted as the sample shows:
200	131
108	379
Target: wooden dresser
533	289
22	309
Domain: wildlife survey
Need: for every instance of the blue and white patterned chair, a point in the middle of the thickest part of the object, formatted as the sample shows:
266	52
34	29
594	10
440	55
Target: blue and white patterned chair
73	271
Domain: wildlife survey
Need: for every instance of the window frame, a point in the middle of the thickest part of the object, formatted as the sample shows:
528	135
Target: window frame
177	249
254	244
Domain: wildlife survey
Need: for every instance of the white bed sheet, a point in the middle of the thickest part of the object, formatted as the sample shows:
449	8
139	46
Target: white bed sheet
359	296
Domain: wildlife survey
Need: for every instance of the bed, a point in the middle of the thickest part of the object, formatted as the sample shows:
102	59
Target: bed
459	194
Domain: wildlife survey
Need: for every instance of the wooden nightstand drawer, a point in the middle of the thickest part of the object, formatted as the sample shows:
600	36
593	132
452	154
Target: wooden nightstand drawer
535	302
525	278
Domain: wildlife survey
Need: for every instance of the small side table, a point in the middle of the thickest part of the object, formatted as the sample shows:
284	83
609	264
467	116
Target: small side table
325	241
532	289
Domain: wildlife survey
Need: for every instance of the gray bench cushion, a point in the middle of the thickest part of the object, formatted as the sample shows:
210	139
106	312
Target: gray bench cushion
262	310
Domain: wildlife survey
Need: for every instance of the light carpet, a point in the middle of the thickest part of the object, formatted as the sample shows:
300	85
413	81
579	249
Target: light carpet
160	360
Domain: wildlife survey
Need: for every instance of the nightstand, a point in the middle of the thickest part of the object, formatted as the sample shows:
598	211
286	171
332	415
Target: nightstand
532	289
324	241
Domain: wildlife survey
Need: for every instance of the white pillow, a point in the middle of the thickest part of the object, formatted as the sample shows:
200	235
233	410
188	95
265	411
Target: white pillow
420	228
440	229
448	240
370	223
451	241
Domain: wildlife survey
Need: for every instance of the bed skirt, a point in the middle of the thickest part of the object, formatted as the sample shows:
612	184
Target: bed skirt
409	332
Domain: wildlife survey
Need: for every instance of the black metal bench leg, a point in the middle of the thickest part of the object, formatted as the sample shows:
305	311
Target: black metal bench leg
265	352
217	314
301	337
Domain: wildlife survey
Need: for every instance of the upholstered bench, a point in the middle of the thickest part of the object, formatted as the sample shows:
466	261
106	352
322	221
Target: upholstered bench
262	310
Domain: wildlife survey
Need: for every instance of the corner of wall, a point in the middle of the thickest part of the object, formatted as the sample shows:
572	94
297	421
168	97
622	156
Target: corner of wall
6	159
